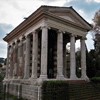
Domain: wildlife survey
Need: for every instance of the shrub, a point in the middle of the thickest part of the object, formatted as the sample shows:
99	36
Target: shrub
55	90
95	79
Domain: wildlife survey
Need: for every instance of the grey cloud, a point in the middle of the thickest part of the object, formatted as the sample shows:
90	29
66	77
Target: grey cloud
87	7
16	5
3	51
4	29
13	3
48	1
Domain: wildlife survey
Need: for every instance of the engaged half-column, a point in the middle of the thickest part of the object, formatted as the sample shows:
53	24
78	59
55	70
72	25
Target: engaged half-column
27	58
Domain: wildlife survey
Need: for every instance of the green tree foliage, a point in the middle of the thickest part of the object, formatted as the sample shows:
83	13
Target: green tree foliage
96	29
91	64
97	18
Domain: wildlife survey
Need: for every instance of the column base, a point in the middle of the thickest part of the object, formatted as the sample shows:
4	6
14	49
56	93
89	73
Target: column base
60	77
43	77
33	77
74	77
14	77
33	80
25	77
19	77
85	77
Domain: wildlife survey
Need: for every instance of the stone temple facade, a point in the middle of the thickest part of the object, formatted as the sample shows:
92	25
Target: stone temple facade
37	50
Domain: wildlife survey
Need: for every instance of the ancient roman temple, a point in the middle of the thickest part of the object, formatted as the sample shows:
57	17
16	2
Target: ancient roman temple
37	50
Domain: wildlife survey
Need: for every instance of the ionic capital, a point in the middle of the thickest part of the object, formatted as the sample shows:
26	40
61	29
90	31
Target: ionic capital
35	31
9	46
59	31
42	27
13	43
23	38
27	36
83	38
73	35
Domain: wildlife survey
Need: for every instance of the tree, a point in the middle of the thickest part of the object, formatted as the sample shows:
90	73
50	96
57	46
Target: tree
91	64
96	23
95	58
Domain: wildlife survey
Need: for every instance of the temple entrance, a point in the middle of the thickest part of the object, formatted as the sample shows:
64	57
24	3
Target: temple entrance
52	54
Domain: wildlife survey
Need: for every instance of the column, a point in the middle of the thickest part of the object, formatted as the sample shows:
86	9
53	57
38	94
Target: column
83	59
18	57
7	88
60	55
11	62
15	60
72	58
64	60
20	53
7	66
34	55
44	52
27	58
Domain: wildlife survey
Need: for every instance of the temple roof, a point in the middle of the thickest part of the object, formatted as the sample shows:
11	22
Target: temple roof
65	14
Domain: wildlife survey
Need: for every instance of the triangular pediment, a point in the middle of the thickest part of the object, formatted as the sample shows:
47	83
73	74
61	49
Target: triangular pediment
68	13
70	17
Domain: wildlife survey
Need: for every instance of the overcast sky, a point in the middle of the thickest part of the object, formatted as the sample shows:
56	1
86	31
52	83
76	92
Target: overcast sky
12	13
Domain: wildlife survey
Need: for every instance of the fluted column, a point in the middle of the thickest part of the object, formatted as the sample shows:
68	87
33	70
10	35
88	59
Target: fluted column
83	59
34	55
64	60
11	63
7	88
44	52
15	60
20	53
18	58
7	65
27	58
60	55
72	58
